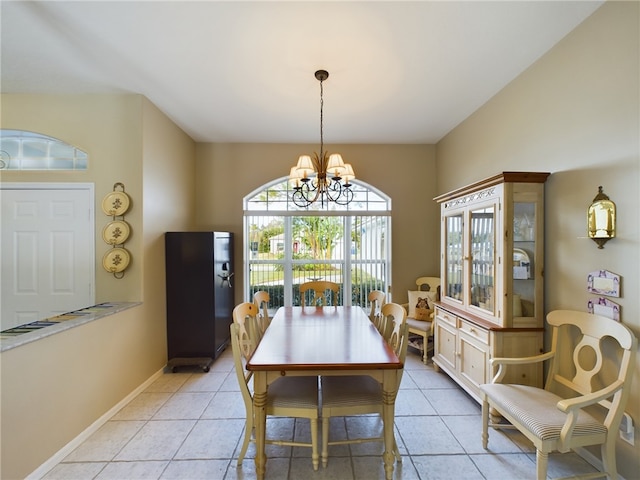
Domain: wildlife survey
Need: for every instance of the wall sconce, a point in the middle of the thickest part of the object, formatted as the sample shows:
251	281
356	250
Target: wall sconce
601	219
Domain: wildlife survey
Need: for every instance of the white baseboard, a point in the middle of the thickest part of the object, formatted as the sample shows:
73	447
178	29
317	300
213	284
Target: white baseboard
43	469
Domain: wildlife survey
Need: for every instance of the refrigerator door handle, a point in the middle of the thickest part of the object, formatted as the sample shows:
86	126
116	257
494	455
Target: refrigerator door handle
226	278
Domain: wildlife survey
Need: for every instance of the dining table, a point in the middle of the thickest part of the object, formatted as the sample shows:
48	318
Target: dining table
322	341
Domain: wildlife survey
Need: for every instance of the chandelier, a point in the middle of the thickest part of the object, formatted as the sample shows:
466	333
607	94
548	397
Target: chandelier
323	177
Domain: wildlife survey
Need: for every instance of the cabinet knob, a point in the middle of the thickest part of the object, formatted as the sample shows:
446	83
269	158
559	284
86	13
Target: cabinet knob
472	330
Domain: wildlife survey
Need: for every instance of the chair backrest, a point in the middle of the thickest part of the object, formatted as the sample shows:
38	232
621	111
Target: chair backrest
397	330
590	356
429	284
396	321
261	299
324	293
245	316
376	300
239	361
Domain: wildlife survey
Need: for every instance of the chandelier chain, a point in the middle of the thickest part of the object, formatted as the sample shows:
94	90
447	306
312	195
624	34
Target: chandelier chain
321	120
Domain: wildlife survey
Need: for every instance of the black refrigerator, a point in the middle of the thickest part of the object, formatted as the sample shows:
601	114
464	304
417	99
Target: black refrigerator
200	296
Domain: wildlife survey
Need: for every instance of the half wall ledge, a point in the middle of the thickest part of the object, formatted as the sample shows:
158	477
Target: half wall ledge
30	332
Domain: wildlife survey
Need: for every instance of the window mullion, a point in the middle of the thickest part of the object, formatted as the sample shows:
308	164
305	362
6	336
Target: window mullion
287	261
346	273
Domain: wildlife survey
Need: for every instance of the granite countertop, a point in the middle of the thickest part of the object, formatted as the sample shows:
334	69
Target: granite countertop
30	332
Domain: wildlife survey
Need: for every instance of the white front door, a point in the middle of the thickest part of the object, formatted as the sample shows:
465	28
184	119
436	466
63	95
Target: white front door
48	250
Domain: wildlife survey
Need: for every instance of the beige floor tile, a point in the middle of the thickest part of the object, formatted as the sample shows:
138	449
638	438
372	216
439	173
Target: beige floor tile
427	436
183	406
446	467
513	466
225	405
143	407
74	471
149	470
156	440
211	439
205	382
195	470
106	442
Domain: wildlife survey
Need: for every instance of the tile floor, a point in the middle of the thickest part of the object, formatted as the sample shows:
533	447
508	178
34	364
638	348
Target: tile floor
189	425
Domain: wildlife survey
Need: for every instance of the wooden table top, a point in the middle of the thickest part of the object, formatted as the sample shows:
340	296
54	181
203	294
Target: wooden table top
322	338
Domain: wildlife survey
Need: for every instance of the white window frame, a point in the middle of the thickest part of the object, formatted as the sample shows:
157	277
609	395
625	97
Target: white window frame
380	206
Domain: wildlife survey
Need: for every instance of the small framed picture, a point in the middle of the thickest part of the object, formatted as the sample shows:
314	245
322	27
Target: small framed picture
603	282
605	307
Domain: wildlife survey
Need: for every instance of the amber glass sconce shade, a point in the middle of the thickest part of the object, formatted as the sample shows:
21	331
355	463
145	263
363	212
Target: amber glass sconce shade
601	219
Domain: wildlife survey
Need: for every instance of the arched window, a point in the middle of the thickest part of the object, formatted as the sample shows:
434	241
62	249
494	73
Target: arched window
23	150
286	245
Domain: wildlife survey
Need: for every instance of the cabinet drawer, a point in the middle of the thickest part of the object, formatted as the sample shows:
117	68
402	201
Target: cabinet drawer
474	331
446	317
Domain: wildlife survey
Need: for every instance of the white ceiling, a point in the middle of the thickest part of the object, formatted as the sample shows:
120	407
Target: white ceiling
237	71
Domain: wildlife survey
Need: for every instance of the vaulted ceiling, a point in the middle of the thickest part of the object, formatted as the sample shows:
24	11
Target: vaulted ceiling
239	71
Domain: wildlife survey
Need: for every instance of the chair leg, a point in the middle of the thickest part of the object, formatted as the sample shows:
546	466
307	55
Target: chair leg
608	452
315	458
248	430
425	343
325	440
542	460
396	451
485	423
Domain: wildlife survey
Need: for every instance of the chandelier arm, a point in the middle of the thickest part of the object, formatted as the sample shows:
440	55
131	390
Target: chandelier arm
306	194
339	193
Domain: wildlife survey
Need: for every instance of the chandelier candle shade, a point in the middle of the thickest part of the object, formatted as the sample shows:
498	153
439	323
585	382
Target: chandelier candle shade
325	178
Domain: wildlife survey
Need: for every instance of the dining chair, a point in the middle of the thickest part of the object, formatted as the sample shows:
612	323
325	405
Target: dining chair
324	293
420	312
361	394
591	360
245	315
261	299
376	300
295	397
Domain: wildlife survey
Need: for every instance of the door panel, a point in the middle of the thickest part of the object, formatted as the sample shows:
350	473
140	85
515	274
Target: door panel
48	251
473	361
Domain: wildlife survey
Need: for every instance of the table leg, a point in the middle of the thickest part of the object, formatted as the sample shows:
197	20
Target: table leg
389	392
260	418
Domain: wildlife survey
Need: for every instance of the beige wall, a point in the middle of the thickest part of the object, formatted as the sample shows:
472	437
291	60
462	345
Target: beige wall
228	172
574	113
108	128
55	388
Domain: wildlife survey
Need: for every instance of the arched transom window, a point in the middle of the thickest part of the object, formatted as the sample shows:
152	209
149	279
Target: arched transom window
23	150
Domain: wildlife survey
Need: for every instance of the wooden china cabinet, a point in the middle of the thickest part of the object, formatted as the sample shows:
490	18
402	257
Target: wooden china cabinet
492	260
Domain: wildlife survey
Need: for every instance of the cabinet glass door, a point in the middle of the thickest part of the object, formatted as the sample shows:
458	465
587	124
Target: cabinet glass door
524	248
482	245
454	256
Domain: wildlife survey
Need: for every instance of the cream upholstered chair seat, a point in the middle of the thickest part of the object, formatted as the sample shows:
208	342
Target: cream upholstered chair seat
580	375
286	397
323	292
537	409
420	322
362	394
